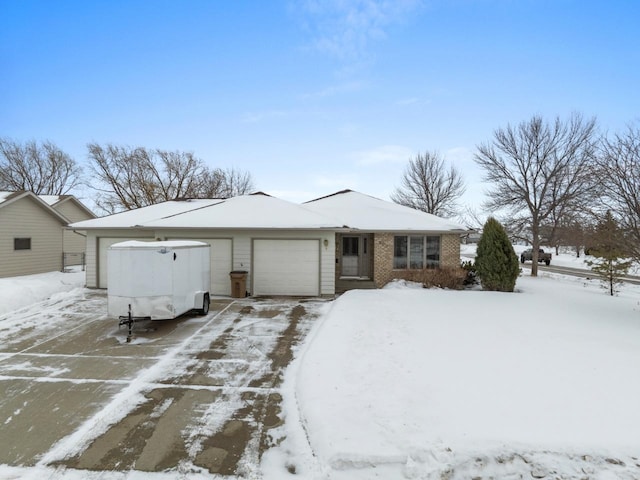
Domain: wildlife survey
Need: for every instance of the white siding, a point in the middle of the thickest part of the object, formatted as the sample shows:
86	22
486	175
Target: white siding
25	219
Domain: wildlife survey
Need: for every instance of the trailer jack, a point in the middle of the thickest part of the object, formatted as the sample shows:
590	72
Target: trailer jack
129	320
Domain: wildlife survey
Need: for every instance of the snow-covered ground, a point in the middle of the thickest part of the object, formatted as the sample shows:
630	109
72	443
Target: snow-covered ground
412	383
19	292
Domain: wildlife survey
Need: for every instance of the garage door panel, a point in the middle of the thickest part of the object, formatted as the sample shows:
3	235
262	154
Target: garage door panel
286	267
221	263
103	246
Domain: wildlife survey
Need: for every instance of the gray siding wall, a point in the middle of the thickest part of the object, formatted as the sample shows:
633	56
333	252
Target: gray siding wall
25	219
73	242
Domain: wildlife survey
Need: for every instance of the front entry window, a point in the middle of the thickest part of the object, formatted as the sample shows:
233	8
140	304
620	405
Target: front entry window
350	246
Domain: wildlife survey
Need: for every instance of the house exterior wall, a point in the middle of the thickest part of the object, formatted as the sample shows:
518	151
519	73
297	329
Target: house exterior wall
450	250
73	242
25	219
241	248
382	258
383	271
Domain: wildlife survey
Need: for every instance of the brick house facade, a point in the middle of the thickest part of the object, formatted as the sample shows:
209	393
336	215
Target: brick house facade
382	271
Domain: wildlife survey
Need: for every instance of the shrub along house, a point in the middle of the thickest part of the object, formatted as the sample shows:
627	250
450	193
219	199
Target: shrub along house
345	240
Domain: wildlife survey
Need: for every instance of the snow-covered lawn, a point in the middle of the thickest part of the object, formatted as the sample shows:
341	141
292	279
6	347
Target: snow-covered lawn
416	383
19	292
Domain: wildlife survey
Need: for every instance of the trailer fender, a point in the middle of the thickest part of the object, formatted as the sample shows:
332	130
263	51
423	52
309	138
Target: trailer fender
199	300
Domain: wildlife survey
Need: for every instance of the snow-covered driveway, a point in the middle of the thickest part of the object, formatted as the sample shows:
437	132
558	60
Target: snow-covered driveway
188	397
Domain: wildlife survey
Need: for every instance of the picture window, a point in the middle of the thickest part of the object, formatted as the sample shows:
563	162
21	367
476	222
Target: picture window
416	252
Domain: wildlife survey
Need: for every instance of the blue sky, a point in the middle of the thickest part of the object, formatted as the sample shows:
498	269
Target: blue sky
312	96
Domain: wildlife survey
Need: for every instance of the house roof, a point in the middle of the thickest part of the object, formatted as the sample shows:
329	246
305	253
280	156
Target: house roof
57	200
363	212
7	198
141	216
257	211
343	210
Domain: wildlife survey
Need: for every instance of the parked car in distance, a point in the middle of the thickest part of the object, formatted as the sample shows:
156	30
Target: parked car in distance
527	255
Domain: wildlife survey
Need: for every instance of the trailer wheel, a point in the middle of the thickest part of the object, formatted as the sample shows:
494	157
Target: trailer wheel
547	262
205	305
521	258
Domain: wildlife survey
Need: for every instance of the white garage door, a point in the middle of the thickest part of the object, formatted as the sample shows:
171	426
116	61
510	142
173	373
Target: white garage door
221	263
103	247
286	267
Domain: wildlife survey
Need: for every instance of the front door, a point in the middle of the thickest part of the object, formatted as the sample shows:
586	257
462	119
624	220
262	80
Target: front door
356	260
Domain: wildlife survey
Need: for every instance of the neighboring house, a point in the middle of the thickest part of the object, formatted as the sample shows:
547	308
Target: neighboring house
32	236
74	242
286	248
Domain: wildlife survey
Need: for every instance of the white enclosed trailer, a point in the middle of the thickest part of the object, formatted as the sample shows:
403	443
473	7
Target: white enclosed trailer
158	280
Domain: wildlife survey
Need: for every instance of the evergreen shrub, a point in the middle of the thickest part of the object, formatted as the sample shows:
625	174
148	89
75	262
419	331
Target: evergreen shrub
496	261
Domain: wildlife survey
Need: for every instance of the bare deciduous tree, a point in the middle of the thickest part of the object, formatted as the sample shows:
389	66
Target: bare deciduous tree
619	172
131	178
41	168
537	168
428	186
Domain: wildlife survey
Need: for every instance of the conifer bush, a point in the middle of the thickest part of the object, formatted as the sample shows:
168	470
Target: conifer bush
496	261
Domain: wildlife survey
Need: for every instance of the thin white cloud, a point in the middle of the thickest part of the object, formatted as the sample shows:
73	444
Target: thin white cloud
344	29
383	155
459	155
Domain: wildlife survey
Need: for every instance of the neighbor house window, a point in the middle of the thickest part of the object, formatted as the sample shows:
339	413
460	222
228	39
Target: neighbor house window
416	252
22	244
